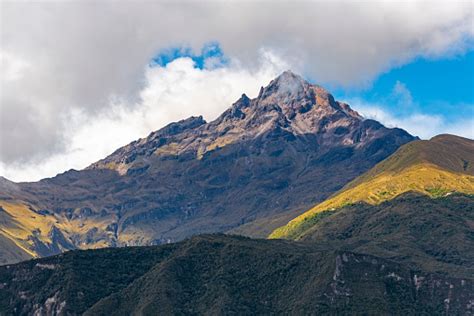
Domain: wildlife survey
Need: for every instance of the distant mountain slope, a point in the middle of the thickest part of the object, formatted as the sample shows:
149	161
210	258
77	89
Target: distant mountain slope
435	168
261	163
11	252
221	275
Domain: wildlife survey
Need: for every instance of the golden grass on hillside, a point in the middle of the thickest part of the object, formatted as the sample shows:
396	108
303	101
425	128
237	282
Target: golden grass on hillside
121	168
219	143
19	222
424	178
168	149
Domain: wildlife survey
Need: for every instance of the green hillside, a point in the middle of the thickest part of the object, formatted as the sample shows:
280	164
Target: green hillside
435	168
424	233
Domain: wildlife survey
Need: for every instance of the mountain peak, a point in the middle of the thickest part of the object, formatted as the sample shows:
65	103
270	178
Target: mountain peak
286	85
289	105
289	77
262	158
294	95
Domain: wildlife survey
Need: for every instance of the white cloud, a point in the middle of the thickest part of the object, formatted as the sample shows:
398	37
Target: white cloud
77	56
420	124
13	68
402	93
171	93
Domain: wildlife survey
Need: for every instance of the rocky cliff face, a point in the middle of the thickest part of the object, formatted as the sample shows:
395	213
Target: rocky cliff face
262	162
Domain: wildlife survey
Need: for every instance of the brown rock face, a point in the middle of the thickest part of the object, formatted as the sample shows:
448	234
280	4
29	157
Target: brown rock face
262	162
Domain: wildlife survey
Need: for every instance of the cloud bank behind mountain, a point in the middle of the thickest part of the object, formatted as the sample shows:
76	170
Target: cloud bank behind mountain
75	81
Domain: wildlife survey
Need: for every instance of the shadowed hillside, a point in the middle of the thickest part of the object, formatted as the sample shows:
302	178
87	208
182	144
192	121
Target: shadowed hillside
432	234
222	275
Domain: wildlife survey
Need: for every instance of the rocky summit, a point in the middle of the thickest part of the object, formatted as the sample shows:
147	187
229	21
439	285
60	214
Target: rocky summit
261	163
288	107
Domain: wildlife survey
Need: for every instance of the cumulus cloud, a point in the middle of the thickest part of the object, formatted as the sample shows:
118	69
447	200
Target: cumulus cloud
402	93
63	63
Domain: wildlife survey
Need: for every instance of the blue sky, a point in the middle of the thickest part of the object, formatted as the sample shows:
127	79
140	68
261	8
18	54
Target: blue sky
432	80
209	52
443	86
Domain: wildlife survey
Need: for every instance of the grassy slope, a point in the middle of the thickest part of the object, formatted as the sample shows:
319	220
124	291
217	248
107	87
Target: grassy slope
25	232
436	167
10	252
19	222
